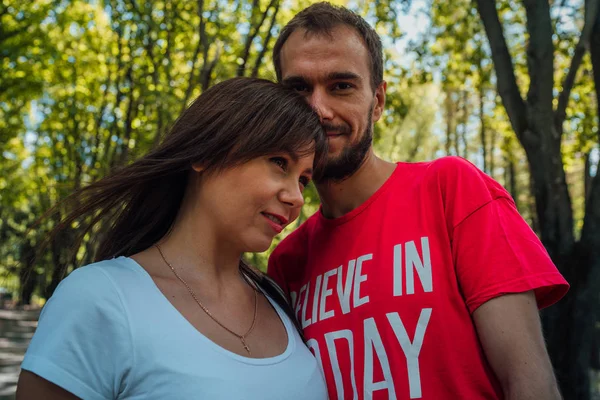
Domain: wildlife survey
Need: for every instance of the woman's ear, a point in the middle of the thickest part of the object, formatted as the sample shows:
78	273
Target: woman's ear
197	167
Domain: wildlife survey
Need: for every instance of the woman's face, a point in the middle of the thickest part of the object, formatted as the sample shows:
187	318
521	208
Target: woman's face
249	204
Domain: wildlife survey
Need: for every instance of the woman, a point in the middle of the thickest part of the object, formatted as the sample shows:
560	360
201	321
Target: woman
172	312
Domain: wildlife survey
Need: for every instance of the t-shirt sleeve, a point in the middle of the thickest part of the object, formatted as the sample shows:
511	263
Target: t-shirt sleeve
83	342
495	251
274	271
288	260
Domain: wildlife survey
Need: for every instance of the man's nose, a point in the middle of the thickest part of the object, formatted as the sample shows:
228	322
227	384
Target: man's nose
320	102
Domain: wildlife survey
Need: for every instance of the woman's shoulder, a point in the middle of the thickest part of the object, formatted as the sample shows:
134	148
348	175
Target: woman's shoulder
99	280
116	268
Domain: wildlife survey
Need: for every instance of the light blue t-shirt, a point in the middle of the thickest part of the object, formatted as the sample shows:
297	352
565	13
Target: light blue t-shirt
109	333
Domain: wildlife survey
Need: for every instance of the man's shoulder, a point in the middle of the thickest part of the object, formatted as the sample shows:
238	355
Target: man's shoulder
289	257
454	173
448	167
451	166
297	239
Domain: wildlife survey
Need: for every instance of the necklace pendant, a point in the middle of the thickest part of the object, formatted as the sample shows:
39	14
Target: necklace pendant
245	345
206	310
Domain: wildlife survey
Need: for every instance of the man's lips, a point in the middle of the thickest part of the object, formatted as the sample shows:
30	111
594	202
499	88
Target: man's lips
336	130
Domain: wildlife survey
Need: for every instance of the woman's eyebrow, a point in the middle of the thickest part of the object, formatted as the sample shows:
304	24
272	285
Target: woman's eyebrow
295	159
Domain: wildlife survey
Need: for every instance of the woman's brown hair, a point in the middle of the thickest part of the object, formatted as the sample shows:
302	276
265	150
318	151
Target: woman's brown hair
231	123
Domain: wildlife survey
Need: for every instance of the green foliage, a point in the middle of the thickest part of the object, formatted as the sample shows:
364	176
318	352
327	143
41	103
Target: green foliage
457	47
88	86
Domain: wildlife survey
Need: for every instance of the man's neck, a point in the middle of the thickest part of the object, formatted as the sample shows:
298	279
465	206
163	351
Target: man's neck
340	198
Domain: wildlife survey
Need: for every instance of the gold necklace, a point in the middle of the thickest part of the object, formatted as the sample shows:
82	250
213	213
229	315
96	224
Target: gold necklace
241	337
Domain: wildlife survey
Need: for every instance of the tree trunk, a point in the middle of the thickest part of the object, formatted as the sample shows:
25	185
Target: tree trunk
464	119
587	178
482	131
59	260
456	132
511	179
532	207
449	121
595	364
591	232
27	275
492	163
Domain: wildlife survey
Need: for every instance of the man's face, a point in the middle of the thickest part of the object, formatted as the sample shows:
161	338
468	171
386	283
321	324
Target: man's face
333	72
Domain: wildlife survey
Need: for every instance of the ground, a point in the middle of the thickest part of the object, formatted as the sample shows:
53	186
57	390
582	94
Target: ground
16	330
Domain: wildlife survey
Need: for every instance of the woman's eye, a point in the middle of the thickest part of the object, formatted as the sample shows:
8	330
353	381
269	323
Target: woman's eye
280	162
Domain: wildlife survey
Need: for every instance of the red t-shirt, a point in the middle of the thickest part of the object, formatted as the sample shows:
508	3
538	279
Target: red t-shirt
385	293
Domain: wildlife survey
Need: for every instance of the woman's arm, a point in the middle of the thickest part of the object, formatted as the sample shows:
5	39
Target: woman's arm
82	342
31	386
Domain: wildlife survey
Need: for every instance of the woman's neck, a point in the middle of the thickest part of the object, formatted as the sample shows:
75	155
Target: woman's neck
199	254
195	248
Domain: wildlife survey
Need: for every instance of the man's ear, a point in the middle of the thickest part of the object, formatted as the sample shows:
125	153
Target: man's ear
379	105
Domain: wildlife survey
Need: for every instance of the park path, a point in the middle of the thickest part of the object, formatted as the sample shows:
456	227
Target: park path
16	330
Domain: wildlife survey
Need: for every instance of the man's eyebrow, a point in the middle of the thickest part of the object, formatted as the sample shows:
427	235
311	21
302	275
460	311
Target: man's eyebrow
345	75
293	79
334	76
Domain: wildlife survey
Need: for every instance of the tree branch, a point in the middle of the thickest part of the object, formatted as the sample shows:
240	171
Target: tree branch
252	33
169	22
540	56
5	35
3	9
503	65
268	37
592	10
208	69
207	66
201	42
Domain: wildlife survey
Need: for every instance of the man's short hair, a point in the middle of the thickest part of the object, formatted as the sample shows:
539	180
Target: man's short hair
322	18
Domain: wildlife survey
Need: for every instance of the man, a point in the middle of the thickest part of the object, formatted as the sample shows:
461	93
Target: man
413	280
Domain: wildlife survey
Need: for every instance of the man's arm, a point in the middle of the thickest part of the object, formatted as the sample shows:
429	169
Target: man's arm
510	332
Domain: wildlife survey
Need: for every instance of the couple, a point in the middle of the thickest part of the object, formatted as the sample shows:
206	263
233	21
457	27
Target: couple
412	281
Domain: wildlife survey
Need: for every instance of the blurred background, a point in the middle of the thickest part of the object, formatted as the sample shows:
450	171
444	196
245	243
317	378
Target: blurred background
513	86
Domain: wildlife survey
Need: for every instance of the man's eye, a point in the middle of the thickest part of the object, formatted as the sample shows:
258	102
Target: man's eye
304	181
342	86
280	162
299	87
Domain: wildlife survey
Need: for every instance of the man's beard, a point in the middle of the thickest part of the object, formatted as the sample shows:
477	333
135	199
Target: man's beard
351	159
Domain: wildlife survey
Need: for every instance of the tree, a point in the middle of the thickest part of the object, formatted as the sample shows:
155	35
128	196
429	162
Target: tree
539	127
88	86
